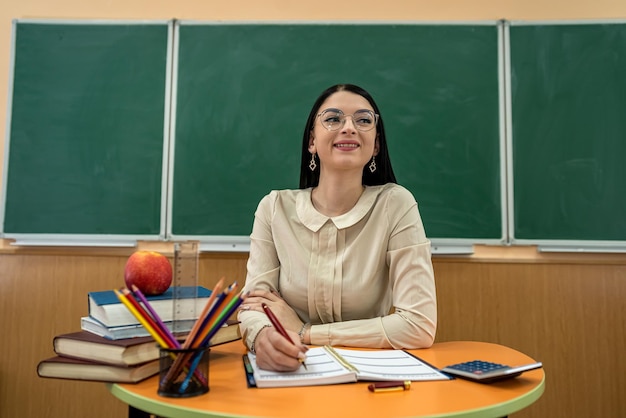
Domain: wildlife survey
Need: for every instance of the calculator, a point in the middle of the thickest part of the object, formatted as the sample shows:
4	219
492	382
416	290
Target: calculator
487	372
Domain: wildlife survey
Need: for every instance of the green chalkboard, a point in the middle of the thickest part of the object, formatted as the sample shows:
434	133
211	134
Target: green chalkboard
86	133
568	96
244	93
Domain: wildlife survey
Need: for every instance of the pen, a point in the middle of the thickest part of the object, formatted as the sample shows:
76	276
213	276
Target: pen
279	327
390	386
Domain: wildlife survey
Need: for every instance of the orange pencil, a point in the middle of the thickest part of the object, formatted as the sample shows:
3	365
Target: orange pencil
230	294
196	326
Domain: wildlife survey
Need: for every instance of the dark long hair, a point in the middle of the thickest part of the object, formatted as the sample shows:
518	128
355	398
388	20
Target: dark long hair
384	172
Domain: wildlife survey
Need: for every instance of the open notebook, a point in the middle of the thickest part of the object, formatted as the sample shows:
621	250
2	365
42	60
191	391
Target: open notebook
327	365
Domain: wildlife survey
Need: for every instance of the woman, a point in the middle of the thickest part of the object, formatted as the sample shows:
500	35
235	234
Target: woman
344	260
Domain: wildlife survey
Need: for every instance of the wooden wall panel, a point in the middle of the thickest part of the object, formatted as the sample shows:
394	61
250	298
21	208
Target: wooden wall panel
568	312
43	296
569	316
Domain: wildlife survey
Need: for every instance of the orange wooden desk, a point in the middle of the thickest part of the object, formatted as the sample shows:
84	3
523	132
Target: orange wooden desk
230	397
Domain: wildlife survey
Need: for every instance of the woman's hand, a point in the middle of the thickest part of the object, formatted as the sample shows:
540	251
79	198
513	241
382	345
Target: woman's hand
285	314
274	352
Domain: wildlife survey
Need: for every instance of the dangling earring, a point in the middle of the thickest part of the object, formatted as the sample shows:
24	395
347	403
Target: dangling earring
313	164
372	165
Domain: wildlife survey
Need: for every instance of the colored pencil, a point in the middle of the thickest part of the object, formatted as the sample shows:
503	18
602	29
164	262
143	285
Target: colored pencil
141	319
133	306
220	306
196	326
217	324
155	316
169	340
229	294
212	306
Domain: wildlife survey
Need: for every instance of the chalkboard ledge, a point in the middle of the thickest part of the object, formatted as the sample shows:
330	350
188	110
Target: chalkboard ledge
66	240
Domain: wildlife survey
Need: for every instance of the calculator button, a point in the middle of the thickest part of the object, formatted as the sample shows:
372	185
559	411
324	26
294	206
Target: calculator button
479	367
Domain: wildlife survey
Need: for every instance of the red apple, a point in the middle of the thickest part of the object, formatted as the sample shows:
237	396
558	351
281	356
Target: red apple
150	271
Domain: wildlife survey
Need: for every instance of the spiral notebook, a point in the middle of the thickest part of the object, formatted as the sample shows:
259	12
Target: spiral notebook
328	365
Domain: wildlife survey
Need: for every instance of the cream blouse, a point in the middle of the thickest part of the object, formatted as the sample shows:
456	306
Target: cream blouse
345	274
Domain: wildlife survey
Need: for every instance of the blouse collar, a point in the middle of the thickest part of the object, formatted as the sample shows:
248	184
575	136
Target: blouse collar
314	220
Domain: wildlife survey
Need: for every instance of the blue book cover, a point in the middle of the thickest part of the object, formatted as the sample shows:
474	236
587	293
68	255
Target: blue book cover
105	307
108	297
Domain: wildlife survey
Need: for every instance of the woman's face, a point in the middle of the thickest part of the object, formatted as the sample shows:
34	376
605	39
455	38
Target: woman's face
353	143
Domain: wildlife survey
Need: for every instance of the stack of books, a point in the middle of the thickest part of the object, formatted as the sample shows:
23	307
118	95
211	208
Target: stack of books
86	356
109	318
113	347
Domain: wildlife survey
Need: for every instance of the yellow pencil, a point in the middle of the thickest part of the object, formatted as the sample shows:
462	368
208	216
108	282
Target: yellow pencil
141	319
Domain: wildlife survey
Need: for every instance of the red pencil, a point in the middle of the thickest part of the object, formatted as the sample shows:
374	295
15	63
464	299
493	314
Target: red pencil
279	327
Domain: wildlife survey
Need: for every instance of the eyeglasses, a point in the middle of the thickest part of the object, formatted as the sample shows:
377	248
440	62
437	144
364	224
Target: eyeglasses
334	119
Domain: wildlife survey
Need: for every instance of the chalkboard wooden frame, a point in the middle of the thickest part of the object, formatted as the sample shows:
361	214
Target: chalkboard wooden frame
87	72
567	80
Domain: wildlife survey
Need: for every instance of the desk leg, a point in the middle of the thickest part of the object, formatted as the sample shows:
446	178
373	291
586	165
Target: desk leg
137	413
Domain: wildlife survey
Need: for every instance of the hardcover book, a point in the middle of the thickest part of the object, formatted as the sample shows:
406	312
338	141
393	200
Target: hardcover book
59	367
125	352
87	346
121	332
105	307
327	365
